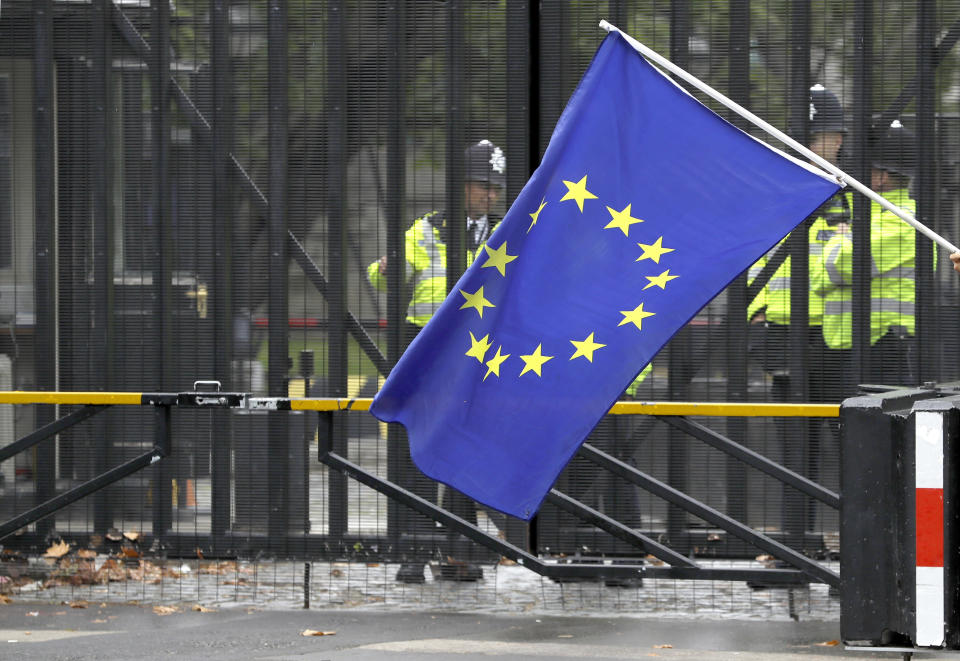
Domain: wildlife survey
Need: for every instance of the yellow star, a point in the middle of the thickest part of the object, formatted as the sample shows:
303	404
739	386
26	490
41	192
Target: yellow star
654	251
478	348
635	316
493	365
660	280
477	301
534	361
578	192
622	220
498	258
536	214
586	348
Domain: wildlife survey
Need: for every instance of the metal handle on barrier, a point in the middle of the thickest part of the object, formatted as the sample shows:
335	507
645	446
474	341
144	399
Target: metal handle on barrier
207	386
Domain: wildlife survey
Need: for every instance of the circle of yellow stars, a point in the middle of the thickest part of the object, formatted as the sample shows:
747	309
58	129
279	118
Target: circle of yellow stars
499	259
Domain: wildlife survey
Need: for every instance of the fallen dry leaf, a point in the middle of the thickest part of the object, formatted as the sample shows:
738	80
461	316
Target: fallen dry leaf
654	560
33	614
87	554
565	635
130	553
164	610
203	609
313	632
133	535
199	553
829	643
665	646
4	599
78	604
99	621
58	550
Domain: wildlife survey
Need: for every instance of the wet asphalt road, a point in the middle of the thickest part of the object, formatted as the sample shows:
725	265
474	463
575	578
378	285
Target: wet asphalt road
57	632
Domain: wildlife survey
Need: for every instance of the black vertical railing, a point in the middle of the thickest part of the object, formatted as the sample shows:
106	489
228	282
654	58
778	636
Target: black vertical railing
796	439
862	129
161	240
101	167
161	244
163	475
278	339
396	255
45	269
221	302
456	138
336	122
520	88
927	366
679	358
522	157
736	327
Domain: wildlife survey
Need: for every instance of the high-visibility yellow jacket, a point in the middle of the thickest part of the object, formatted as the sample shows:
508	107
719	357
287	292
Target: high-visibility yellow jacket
893	281
774	299
426	269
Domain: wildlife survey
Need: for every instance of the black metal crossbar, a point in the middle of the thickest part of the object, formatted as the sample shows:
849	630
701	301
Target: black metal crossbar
709	514
49	430
758	461
685	569
85	489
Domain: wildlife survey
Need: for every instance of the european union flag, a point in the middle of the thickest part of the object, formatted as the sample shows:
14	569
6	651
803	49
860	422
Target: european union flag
645	206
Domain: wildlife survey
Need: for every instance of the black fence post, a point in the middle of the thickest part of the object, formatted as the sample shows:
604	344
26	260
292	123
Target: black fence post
522	155
862	130
162	478
739	84
927	286
45	273
335	139
102	189
396	253
221	82
278	422
680	357
798	511
160	191
456	142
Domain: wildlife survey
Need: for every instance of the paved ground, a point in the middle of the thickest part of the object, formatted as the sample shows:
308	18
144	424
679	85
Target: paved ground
57	632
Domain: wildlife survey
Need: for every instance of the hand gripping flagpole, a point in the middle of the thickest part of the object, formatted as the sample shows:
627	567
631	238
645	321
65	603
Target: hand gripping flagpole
840	175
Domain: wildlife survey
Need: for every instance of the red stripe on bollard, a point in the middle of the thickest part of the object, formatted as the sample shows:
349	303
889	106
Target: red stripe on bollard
929	527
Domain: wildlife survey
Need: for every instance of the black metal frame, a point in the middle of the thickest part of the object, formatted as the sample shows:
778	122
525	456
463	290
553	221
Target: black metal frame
680	566
50	506
806	571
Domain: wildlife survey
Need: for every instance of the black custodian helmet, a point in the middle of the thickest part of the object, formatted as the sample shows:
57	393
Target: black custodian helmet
826	113
896	150
485	162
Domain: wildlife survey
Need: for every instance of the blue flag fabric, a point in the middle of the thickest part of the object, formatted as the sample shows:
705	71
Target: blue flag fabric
645	206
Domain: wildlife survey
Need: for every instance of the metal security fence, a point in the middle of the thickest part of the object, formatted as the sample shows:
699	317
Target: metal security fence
196	190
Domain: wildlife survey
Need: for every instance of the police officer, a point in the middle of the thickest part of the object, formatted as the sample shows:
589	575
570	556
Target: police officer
426	252
426	280
892	285
769	312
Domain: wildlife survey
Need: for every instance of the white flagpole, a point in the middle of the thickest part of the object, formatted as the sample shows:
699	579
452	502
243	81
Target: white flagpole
841	176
